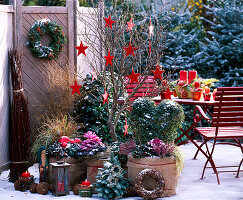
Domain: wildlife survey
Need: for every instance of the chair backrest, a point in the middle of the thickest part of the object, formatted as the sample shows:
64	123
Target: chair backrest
228	109
147	89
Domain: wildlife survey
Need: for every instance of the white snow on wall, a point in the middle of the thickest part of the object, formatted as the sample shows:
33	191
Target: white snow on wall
6	40
87	32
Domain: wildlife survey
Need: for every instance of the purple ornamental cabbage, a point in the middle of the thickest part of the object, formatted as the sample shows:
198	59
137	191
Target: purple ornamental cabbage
162	149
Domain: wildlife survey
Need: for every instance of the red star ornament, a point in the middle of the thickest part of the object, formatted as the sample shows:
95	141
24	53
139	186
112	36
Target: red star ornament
109	22
130	50
109	59
134	77
105	97
126	128
75	88
94	76
81	48
130	25
157	73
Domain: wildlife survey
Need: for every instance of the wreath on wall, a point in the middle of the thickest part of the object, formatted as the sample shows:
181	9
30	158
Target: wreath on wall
41	27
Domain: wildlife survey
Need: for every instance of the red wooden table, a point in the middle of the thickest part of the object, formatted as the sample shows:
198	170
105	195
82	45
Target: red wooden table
206	105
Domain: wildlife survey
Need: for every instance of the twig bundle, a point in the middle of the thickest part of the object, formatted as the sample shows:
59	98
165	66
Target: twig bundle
19	130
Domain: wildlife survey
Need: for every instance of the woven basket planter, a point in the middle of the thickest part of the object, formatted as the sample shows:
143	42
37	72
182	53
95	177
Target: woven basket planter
166	166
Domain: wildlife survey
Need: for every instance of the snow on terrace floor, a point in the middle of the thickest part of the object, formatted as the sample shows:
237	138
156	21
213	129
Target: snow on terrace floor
190	186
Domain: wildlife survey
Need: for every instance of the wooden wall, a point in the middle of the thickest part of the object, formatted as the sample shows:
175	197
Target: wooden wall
36	71
16	21
6	42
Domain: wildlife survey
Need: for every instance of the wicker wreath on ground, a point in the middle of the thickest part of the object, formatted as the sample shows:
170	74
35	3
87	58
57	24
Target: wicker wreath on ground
41	27
33	187
20	185
76	189
146	194
43	188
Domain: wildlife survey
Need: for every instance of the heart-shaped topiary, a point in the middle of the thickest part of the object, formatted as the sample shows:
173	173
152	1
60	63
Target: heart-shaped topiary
149	121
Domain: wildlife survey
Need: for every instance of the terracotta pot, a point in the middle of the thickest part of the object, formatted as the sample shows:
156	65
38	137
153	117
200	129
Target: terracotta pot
165	95
196	96
166	166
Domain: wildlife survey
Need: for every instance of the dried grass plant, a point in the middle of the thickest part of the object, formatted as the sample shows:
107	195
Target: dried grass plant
59	92
52	129
56	121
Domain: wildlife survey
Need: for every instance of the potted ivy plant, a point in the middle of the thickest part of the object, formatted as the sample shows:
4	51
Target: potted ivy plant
154	128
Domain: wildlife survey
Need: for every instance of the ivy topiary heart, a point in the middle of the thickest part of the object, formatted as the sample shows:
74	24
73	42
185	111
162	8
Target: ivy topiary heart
149	121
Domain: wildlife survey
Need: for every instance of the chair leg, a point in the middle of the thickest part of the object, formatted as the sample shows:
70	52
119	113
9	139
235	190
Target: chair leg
210	160
239	144
195	156
202	177
238	171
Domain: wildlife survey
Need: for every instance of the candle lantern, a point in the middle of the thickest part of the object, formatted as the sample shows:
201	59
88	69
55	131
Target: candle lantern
207	96
61	179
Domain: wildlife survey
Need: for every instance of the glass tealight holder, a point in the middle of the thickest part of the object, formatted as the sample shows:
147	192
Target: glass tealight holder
207	96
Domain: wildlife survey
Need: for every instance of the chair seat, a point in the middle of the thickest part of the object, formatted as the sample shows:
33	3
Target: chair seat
223	132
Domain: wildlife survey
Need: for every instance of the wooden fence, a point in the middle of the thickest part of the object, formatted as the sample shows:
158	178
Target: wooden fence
16	21
36	72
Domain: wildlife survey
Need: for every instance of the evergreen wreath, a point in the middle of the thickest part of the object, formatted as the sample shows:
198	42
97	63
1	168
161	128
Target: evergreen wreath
41	27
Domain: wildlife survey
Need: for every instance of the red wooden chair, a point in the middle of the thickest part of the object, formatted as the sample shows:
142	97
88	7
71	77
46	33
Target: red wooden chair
227	124
147	89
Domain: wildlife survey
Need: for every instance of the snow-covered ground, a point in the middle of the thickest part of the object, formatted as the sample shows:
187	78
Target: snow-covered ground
190	186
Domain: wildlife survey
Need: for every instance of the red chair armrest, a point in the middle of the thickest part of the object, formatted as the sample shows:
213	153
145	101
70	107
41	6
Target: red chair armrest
203	114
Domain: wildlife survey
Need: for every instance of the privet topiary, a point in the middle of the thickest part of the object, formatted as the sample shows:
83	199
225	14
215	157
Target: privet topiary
169	116
149	121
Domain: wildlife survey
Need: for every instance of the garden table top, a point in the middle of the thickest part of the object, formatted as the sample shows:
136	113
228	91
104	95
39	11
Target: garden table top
187	101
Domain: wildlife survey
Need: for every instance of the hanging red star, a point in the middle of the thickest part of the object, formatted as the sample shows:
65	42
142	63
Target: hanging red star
157	73
126	128
75	88
94	76
134	77
81	48
109	22
130	25
105	97
109	59
130	50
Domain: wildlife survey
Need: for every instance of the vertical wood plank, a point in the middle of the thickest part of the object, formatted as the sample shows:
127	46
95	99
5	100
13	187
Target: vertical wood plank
71	18
18	26
100	24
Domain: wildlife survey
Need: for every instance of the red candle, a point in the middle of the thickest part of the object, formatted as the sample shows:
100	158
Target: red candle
191	76
183	75
207	90
196	85
25	174
86	183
